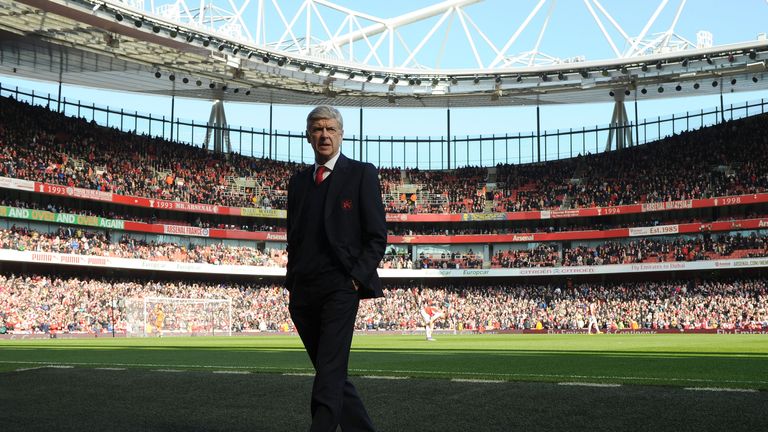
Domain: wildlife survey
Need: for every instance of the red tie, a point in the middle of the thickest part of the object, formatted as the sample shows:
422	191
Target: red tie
319	174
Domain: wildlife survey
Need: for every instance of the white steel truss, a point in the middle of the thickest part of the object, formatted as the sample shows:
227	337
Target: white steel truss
324	30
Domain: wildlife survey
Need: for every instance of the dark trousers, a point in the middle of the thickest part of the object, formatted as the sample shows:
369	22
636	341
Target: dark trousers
324	311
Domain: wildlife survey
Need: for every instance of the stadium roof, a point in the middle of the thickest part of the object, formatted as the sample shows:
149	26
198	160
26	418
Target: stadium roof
111	45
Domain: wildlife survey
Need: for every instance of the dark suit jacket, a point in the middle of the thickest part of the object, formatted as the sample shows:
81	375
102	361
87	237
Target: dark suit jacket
354	221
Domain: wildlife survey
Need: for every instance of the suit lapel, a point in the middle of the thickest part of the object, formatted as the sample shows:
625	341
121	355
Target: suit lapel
337	181
304	188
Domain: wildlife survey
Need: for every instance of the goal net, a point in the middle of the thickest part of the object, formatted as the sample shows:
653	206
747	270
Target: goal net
168	316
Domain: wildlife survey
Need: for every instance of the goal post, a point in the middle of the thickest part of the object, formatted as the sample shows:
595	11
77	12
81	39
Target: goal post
171	316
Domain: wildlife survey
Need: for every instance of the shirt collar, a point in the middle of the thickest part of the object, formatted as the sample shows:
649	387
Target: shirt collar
330	164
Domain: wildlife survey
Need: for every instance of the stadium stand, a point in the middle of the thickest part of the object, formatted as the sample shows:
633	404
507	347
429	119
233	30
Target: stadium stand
722	160
725	160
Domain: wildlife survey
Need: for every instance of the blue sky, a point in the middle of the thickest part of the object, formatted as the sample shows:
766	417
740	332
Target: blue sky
571	31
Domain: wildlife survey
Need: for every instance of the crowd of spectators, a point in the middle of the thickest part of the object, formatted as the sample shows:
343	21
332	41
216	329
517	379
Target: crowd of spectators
462	190
68	240
468	259
725	159
702	247
564	225
396	260
542	255
41	145
34	303
651	249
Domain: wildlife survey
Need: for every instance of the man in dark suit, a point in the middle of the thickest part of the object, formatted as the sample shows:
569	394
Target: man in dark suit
336	237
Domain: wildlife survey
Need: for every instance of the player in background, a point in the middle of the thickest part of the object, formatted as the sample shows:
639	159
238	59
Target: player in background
159	320
430	314
592	311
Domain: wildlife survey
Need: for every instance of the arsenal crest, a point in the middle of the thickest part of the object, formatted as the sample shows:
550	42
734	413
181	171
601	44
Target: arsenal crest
346	204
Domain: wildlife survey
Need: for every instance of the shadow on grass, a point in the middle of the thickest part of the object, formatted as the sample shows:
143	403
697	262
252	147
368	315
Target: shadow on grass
130	400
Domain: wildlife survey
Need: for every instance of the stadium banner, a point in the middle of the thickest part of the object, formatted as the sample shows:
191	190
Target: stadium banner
184	267
17	184
276	236
655	230
666	205
560	214
65	218
508	238
639	331
186	230
135	264
183	206
263	213
483	216
422	217
73	192
95	221
577	270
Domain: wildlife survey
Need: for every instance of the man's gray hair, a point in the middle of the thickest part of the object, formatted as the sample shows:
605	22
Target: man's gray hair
325	112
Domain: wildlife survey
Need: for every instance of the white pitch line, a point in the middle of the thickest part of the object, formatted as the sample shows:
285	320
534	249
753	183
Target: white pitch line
232	372
384	377
409	373
469	380
110	369
721	389
169	370
298	374
48	366
588	384
526	375
32	368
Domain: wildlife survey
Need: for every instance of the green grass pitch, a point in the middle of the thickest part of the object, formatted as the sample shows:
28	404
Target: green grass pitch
456	384
685	360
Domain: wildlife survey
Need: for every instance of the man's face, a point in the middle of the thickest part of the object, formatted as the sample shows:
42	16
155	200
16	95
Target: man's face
325	137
